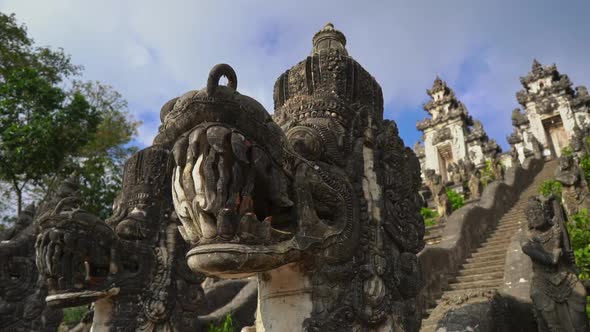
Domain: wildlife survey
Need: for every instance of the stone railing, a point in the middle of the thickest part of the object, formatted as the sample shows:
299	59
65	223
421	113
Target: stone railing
467	227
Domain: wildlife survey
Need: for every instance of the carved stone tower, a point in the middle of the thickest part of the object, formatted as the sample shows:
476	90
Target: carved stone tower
450	135
553	112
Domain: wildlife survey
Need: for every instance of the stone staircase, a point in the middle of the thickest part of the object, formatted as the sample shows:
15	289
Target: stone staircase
433	234
484	268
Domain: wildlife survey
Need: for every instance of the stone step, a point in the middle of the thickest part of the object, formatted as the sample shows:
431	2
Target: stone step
511	221
480	277
432	237
495	240
493	254
488	247
513	226
476	262
503	233
501	237
460	291
493	283
481	270
435	227
488	251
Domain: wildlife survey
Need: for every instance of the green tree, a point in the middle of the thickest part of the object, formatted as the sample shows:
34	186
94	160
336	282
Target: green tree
456	199
47	130
39	127
487	173
226	326
100	162
551	187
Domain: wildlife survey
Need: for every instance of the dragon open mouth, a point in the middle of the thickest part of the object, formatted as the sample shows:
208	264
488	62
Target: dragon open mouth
227	189
76	265
241	210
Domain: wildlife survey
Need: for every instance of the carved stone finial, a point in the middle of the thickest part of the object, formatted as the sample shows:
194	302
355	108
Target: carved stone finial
329	38
537	66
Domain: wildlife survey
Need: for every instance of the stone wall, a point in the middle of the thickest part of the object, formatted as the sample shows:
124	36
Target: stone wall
467	227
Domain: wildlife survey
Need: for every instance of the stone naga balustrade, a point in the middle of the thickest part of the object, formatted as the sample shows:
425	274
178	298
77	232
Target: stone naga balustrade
467	227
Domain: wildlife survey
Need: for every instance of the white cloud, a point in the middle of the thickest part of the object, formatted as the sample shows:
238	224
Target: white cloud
152	51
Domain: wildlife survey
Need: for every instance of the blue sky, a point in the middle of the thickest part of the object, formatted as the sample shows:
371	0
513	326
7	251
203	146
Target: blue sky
153	51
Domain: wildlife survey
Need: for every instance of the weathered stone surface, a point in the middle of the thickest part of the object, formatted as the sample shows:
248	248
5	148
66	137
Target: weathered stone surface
554	113
451	137
468	226
559	298
132	266
575	194
482	311
22	293
319	202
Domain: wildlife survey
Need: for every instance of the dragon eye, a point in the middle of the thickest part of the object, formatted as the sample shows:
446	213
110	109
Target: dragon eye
306	141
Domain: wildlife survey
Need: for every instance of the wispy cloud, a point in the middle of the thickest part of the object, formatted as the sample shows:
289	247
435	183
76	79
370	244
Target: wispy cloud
152	51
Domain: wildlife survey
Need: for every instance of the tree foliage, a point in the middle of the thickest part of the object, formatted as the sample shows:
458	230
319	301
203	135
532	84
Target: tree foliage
487	174
100	162
430	216
551	187
226	326
456	199
50	125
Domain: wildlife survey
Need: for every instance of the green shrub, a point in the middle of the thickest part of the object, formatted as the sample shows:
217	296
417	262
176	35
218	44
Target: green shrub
430	216
487	174
226	326
567	151
579	231
585	166
72	316
551	187
455	198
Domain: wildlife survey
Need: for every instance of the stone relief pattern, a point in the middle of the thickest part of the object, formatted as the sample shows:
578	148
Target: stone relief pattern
386	270
22	293
139	242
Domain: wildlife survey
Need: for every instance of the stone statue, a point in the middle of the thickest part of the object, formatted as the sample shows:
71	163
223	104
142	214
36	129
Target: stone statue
514	157
474	185
22	293
559	298
454	170
318	202
577	140
575	194
439	193
537	147
132	265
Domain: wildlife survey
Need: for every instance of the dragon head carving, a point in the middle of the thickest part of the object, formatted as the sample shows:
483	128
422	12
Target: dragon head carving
131	265
325	183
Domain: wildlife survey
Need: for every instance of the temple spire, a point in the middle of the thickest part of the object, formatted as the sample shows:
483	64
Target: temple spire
329	38
537	67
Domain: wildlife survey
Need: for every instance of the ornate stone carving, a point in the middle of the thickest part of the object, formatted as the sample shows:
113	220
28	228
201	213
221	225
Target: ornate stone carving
453	133
558	295
132	266
320	201
575	193
474	185
22	293
519	118
439	192
442	135
477	133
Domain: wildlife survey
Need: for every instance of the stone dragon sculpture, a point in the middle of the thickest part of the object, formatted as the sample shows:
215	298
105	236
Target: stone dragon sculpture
131	266
319	201
22	293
